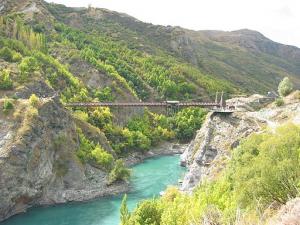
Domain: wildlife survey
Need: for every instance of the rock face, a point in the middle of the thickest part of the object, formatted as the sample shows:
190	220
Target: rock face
289	214
206	154
38	163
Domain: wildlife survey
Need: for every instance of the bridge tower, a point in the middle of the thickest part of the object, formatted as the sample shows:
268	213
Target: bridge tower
222	101
217	95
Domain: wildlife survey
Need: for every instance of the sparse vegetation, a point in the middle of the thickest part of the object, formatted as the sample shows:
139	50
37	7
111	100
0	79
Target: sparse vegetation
279	102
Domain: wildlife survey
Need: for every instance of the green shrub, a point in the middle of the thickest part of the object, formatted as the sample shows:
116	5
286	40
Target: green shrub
6	54
105	95
28	65
7	105
124	212
119	172
267	167
34	100
285	87
100	117
10	55
147	213
81	115
16	57
85	148
5	81
102	158
279	102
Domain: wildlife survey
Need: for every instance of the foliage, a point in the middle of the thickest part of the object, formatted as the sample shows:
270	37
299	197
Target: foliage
147	213
119	172
27	66
100	117
264	170
10	55
5	80
104	95
267	167
15	29
124	212
285	87
187	121
81	115
7	105
34	100
279	102
102	158
90	152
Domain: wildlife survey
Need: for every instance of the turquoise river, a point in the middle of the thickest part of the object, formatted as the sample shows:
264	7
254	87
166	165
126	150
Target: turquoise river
148	179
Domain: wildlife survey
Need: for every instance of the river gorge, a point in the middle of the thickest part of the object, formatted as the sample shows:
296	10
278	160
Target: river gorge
148	179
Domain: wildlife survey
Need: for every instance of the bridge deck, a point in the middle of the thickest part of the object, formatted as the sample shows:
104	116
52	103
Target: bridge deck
141	104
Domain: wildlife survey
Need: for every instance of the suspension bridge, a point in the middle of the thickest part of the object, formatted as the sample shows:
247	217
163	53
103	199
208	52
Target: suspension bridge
219	105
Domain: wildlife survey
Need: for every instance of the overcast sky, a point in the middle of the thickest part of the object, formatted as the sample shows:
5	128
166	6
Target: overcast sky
279	20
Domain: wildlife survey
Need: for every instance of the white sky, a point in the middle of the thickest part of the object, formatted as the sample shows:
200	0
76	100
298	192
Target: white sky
279	20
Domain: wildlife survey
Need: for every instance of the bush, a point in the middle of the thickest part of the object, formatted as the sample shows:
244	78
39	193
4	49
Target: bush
5	81
267	167
285	87
28	65
187	122
279	102
10	55
6	54
34	100
100	117
81	115
147	213
103	158
7	105
119	172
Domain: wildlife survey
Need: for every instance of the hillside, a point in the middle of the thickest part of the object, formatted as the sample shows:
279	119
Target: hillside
51	55
244	58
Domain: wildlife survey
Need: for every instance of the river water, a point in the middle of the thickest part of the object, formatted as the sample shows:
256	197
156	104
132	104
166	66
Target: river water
148	179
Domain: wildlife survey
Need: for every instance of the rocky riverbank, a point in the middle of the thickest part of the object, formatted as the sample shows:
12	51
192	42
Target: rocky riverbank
165	148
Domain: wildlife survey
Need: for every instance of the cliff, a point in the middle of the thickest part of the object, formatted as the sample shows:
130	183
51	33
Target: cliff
38	162
207	154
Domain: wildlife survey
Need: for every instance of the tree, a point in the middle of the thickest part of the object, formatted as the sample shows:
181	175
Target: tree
285	87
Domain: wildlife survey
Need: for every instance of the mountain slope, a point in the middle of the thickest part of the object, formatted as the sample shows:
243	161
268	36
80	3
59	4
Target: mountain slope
247	58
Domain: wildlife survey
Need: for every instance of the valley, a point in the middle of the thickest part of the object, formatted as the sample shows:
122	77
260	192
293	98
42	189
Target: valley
66	143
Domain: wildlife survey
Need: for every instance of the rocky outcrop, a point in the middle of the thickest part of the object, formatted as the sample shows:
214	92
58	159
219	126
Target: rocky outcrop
207	153
289	214
38	163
